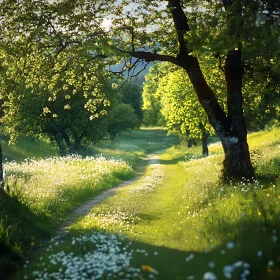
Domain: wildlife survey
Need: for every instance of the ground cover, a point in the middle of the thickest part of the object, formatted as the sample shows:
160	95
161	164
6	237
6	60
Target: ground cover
178	222
27	147
41	192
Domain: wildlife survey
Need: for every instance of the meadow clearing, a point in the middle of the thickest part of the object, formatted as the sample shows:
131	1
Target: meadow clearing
177	221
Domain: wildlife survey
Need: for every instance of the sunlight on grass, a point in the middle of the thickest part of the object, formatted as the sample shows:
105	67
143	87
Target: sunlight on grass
176	222
28	148
67	181
225	231
123	210
41	193
132	146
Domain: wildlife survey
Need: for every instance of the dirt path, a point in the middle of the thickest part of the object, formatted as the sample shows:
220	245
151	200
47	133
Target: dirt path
85	208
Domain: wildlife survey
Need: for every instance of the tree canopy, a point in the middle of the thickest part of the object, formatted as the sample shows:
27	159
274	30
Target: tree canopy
40	40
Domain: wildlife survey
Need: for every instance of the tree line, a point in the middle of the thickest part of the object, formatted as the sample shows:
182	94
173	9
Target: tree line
228	49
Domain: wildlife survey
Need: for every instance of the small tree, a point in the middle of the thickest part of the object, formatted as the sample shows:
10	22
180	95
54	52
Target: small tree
122	117
152	115
131	93
63	118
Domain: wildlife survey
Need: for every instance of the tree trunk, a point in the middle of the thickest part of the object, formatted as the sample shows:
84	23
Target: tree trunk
60	143
204	138
66	139
112	137
237	164
73	148
1	169
205	151
231	129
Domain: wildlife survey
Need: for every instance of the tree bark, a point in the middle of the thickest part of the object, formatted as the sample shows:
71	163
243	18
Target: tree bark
76	145
205	151
60	143
1	169
231	129
71	146
237	163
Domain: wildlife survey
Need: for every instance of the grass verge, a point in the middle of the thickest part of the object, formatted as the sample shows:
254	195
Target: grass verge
41	193
180	222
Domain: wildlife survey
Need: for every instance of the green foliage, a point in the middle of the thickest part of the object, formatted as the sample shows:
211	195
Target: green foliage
180	106
40	193
121	117
50	45
132	94
169	92
177	101
51	81
151	101
65	118
261	93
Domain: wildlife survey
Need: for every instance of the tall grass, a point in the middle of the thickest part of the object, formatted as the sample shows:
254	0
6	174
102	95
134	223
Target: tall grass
42	191
47	191
183	223
28	147
177	222
57	185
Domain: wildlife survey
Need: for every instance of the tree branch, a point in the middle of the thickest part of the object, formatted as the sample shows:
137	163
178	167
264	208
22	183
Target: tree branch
145	66
181	25
148	57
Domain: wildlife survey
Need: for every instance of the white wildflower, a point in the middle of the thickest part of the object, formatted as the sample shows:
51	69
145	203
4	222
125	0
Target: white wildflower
209	276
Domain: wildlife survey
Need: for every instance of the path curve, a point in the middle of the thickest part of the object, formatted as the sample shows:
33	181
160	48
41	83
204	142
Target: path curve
86	207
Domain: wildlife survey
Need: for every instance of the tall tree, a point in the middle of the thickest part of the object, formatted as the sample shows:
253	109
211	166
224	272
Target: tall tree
152	115
181	108
223	28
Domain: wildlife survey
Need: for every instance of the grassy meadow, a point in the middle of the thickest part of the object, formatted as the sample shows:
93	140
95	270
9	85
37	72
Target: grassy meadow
178	221
43	189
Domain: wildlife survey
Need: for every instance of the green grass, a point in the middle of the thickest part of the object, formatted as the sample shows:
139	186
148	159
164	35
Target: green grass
28	147
133	146
42	191
181	222
176	222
